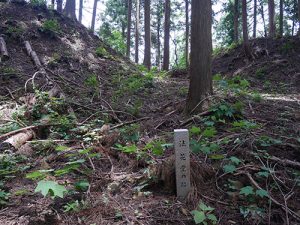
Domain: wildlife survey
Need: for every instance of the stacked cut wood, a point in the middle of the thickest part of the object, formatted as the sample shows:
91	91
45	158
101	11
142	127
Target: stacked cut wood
3	50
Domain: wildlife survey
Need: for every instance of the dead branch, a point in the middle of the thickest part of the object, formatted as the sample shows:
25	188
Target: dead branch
286	162
292	213
129	122
33	55
195	117
3	50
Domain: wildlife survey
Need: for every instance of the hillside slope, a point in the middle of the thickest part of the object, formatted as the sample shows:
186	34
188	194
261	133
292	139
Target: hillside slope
112	163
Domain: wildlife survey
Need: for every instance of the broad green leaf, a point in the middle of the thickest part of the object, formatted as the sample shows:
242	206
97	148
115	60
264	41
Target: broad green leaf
195	130
248	190
235	160
229	168
209	132
82	185
204	207
263	173
217	156
212	218
50	187
79	161
61	148
199	217
262	193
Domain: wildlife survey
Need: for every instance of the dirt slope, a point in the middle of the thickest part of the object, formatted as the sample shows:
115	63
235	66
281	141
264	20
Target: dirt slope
251	132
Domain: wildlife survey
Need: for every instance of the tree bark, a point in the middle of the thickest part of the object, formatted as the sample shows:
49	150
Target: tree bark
281	19
129	10
16	141
3	50
299	16
147	55
33	55
263	17
272	28
70	8
80	10
94	15
201	56
255	18
166	61
59	5
137	32
187	32
158	45
236	21
245	30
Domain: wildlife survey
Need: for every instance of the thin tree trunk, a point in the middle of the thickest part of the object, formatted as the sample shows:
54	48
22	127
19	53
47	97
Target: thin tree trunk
59	5
166	62
158	14
70	9
272	28
299	17
147	55
281	19
255	19
129	10
245	30
263	17
94	15
201	52
52	3
187	32
80	10
137	34
236	21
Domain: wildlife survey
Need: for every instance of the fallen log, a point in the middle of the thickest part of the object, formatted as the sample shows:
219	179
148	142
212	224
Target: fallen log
33	55
3	50
16	141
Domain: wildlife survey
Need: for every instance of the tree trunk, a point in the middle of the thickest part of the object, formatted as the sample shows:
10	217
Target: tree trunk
147	56
272	28
137	34
245	30
80	10
94	15
129	28
299	17
52	3
3	50
158	46
166	62
16	141
281	19
59	5
263	17
255	18
187	32
236	21
70	9
201	56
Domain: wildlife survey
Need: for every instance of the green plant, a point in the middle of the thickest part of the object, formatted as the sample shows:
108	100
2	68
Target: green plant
14	32
51	188
92	81
256	97
51	26
260	73
266	141
4	197
102	52
75	206
203	214
287	47
244	125
38	3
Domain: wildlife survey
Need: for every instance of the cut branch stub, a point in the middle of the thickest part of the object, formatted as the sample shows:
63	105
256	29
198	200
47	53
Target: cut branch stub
16	141
3	50
33	55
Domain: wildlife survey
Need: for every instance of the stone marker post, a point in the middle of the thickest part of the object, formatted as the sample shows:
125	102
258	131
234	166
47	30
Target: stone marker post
182	163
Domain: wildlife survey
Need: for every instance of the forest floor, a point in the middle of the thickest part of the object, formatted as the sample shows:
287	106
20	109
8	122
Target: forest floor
101	147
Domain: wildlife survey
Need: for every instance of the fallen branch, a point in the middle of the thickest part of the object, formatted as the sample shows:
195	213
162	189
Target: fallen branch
292	213
129	122
33	55
186	122
3	50
16	141
286	162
